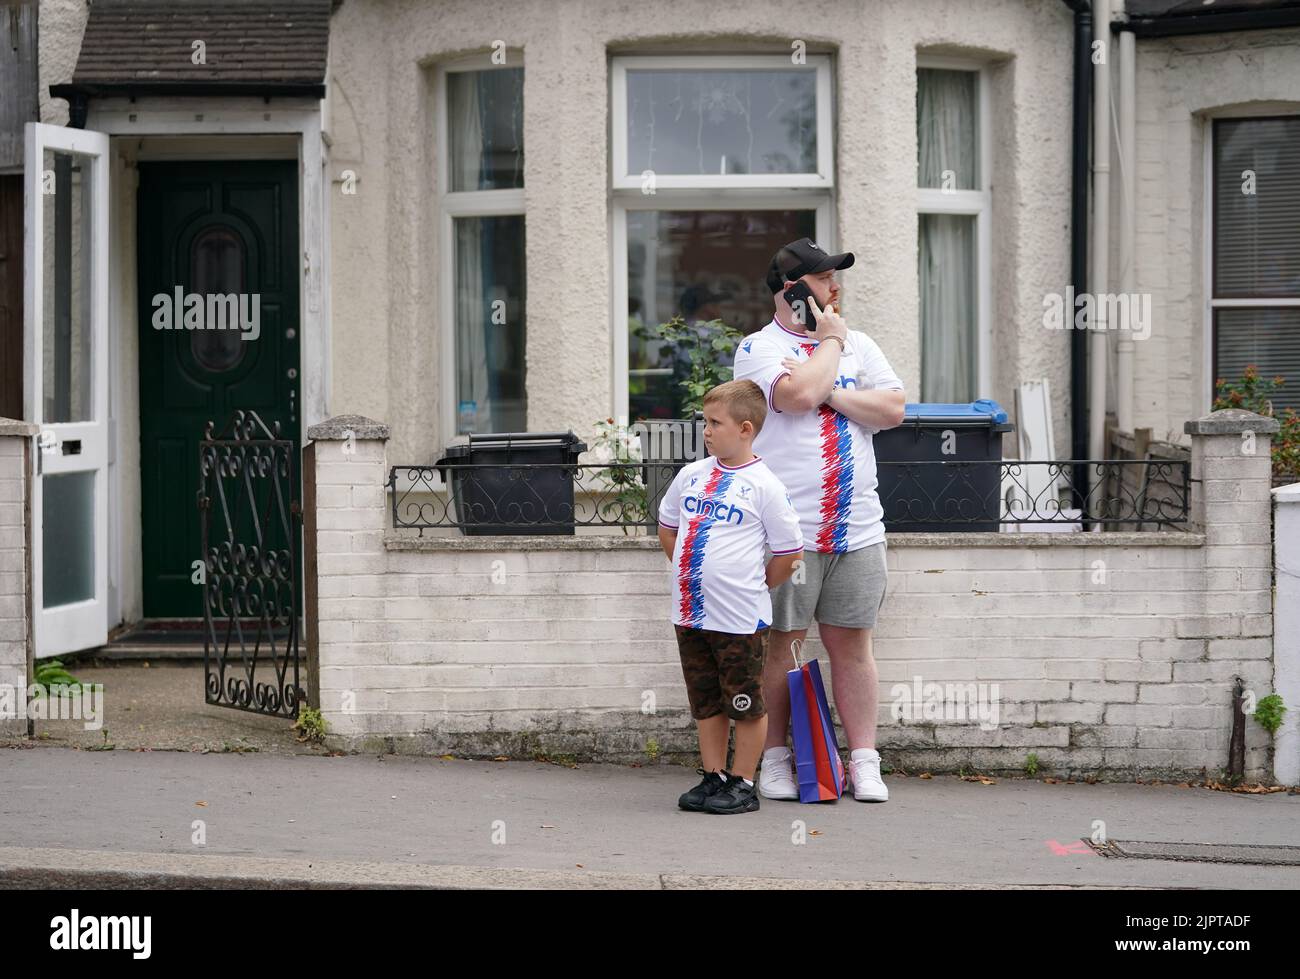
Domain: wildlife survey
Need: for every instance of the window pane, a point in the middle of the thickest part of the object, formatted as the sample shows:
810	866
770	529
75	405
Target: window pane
217	269
490	324
1267	338
65	330
68	538
722	122
705	265
1257	207
948	312
946	124
485	126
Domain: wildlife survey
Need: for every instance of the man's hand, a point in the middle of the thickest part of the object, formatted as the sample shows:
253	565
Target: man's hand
829	322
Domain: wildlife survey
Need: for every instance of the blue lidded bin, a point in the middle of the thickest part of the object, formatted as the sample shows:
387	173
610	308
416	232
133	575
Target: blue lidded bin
932	494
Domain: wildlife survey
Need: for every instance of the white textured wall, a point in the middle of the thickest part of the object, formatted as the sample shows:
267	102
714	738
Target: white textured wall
61	24
489	647
386	339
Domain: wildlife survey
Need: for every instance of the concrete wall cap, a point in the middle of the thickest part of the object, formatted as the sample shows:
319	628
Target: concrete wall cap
1230	421
336	429
12	426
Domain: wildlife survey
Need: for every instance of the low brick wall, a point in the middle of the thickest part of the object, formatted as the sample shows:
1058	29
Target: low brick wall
1113	654
15	544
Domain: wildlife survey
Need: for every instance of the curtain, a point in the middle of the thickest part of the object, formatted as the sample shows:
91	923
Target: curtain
947	276
473	400
945	127
946	123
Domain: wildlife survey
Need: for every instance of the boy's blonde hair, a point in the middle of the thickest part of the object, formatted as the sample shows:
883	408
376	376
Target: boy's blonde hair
743	401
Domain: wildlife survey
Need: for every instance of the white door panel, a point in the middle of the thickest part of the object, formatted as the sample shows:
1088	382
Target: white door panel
65	352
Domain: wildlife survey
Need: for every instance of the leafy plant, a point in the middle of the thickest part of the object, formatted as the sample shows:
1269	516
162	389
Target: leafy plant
1269	712
707	346
52	673
624	497
1031	765
310	724
1252	393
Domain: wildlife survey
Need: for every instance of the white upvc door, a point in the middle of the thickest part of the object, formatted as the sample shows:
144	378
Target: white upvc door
65	358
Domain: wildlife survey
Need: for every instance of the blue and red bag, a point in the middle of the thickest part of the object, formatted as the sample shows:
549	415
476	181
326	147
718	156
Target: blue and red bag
818	766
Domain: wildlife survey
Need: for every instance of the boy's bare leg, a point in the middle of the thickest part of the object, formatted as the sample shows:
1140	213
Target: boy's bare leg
750	734
776	689
713	742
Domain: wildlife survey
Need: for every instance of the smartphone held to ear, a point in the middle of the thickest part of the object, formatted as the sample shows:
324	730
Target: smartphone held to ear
797	296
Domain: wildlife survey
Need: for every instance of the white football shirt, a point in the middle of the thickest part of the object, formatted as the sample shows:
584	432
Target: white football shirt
824	459
725	516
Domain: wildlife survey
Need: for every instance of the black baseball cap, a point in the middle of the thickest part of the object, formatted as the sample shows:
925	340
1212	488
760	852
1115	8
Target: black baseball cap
800	258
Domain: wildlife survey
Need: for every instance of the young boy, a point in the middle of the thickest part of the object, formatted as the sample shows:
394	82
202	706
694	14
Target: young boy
715	521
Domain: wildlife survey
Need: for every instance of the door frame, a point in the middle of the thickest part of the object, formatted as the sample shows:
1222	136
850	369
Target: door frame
215	127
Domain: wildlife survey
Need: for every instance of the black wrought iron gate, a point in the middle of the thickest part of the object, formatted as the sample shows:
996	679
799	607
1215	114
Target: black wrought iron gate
250	519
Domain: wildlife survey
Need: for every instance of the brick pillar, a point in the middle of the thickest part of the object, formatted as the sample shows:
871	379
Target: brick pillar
345	546
1231	504
16	649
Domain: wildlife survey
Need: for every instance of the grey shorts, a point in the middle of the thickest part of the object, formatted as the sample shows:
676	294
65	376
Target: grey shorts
846	590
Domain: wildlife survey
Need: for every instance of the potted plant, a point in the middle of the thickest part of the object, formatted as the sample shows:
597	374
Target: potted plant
669	443
1252	393
619	491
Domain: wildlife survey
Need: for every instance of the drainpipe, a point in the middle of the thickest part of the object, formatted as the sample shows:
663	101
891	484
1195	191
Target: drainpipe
1082	10
1100	233
1125	348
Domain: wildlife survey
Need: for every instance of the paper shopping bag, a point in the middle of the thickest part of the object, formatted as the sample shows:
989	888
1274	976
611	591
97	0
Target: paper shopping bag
816	751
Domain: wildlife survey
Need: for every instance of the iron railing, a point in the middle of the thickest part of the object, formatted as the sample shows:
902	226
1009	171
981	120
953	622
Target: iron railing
948	495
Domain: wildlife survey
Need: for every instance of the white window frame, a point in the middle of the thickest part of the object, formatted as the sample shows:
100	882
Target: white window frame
1205	396
820	63
707	192
460	204
979	204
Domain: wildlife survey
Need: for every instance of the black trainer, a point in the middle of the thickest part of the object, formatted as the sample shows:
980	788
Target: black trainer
693	801
734	796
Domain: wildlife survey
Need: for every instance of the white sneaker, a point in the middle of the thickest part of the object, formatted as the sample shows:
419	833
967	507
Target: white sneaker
776	775
864	775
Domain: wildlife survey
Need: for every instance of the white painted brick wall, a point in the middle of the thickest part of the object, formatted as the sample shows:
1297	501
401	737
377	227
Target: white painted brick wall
1114	658
14	624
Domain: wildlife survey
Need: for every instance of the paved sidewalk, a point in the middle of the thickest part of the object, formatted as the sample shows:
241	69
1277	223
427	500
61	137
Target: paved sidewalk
431	822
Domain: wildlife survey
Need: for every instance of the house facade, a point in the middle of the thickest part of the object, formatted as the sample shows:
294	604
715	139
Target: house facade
465	217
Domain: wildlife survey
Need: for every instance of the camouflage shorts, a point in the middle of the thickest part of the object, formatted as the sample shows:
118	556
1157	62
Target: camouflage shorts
723	671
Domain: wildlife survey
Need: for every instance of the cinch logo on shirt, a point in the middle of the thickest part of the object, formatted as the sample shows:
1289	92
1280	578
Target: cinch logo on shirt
702	506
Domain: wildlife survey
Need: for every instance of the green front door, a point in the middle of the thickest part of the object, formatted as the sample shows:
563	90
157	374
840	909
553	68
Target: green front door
209	230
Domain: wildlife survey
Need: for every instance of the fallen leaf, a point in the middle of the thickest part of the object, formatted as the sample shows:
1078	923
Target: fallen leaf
925	775
200	803
814	832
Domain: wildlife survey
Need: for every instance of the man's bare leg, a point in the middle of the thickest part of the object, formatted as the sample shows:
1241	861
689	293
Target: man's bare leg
776	689
854	681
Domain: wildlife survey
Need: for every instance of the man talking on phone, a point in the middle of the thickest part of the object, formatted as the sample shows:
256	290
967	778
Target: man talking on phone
829	389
